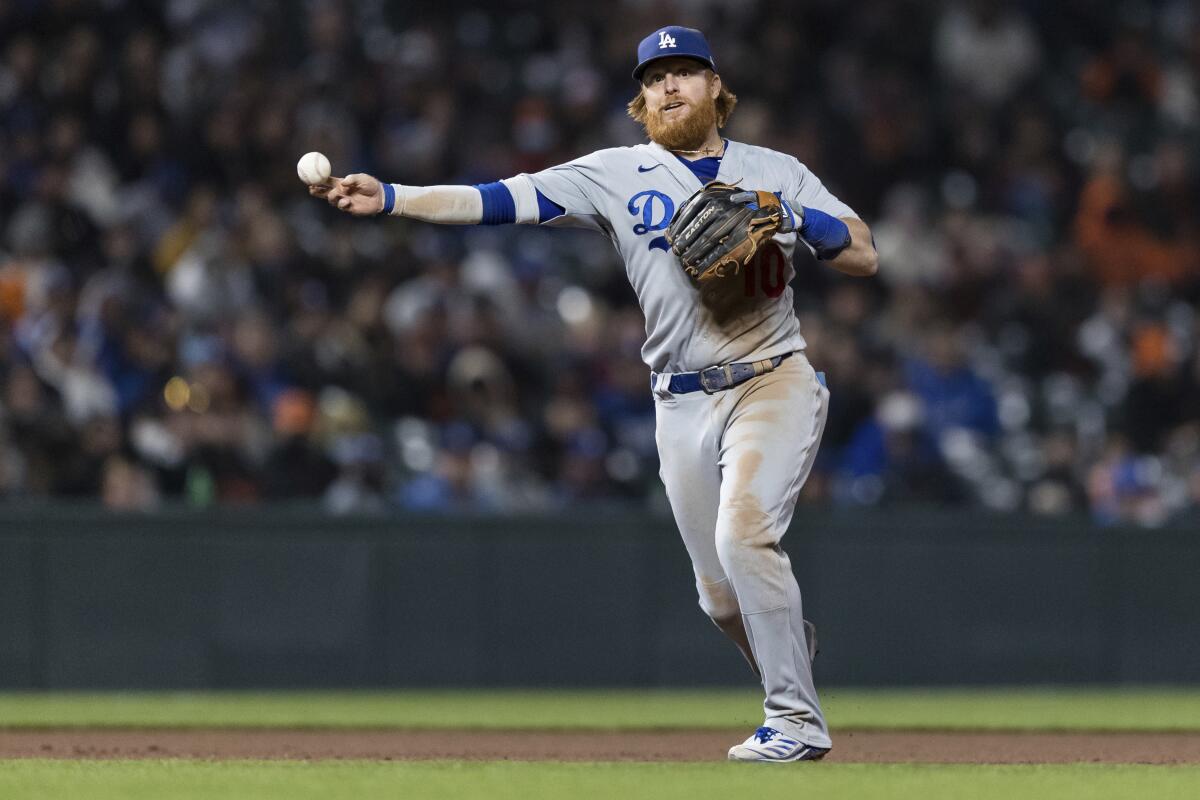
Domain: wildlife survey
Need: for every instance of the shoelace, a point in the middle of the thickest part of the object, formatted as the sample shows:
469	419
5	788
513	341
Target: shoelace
765	734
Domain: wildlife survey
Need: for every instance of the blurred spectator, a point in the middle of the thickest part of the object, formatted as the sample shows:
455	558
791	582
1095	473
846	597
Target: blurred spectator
951	394
1117	235
888	459
295	467
126	486
986	48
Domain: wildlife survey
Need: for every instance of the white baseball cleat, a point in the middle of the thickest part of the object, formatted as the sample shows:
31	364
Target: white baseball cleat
768	745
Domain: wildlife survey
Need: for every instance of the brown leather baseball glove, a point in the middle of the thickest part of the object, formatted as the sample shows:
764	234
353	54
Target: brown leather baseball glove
721	227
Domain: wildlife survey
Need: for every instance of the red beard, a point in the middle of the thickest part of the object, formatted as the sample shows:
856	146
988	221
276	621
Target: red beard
686	131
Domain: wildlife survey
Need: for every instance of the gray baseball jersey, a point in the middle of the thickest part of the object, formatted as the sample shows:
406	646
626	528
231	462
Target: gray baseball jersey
630	194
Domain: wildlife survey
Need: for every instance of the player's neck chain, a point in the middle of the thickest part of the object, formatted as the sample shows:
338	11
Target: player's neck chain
704	151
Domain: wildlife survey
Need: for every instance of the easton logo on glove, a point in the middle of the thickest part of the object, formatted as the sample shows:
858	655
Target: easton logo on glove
721	227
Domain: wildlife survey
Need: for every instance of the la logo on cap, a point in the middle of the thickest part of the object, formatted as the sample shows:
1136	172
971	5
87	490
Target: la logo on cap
665	40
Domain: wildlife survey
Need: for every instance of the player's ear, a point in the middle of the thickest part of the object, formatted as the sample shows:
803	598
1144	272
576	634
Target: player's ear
714	86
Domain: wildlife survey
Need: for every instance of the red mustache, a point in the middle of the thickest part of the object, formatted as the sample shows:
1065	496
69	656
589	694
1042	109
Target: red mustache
663	107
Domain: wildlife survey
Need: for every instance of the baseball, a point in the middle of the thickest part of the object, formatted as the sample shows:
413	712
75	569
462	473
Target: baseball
313	168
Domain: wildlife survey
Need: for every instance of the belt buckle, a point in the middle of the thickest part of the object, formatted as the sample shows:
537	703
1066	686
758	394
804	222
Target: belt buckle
722	379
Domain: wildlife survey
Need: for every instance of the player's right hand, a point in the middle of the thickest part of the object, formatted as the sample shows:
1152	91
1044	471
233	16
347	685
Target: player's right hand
358	194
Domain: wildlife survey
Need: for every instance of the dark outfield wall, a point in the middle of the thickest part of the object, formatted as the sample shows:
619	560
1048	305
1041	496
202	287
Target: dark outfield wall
291	598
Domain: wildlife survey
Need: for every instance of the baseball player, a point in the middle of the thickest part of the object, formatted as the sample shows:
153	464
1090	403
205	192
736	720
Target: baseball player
706	228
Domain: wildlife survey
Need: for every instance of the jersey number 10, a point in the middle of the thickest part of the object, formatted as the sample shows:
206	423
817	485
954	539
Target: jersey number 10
768	269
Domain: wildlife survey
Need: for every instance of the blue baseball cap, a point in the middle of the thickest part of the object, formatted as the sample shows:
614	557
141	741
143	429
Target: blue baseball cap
673	40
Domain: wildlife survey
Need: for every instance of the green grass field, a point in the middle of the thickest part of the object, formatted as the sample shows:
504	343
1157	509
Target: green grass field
943	709
994	709
185	780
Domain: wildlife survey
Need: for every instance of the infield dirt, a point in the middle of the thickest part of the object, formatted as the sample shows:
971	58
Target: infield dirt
398	745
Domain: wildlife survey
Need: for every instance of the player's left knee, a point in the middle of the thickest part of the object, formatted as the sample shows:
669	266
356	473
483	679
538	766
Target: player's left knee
744	528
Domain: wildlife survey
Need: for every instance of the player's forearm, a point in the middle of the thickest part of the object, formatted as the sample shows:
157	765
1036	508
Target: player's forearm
842	242
448	205
512	200
860	258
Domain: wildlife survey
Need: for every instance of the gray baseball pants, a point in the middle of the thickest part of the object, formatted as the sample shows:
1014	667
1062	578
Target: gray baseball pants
733	463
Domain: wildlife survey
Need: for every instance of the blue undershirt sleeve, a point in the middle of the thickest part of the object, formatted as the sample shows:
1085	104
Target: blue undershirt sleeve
547	208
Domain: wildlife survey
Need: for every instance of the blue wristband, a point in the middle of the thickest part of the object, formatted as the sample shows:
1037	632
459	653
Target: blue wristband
389	198
827	234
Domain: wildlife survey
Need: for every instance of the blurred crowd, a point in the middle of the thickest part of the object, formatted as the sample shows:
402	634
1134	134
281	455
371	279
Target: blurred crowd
181	322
